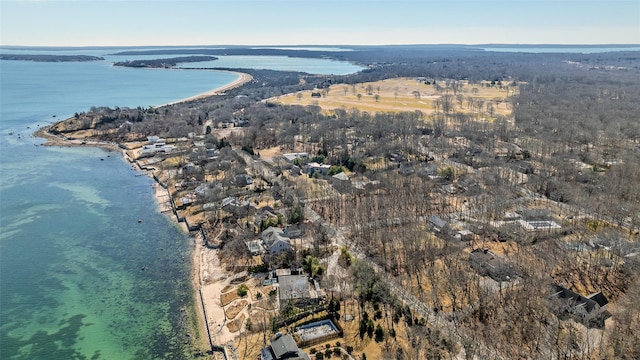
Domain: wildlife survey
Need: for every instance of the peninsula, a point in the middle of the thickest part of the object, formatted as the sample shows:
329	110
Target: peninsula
50	58
163	63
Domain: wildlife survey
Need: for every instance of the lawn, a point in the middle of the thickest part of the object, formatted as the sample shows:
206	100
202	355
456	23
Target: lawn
404	94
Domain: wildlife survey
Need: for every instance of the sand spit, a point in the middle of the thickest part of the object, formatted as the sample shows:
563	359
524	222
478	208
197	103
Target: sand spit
244	78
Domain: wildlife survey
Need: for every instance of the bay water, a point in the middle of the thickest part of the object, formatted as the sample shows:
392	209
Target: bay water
80	276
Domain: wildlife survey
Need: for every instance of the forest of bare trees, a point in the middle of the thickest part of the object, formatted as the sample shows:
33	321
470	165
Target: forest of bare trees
569	153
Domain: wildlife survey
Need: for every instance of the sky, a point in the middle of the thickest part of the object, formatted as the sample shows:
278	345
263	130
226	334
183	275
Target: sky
317	22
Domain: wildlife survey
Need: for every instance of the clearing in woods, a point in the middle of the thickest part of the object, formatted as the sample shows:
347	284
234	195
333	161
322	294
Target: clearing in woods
484	99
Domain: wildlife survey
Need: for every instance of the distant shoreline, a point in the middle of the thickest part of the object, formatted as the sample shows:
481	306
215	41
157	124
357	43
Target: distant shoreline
60	140
242	79
50	58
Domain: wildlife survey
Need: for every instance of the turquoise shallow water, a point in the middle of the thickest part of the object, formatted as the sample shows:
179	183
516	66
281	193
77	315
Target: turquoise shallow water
71	249
72	252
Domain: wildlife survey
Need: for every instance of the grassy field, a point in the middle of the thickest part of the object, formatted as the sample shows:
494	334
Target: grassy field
404	94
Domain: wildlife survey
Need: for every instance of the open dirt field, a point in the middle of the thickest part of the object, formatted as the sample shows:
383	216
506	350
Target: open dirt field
404	94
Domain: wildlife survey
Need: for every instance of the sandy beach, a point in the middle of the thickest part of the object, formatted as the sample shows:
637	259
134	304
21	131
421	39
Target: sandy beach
244	78
212	281
208	280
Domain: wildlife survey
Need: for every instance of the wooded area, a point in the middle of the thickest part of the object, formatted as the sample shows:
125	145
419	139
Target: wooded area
49	58
163	63
461	231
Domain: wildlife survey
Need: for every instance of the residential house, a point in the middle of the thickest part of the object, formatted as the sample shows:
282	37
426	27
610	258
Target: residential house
406	170
437	224
152	149
397	158
148	150
235	207
449	189
256	247
591	308
275	241
283	347
511	216
191	168
593	302
464	235
212	154
266	213
243	180
277	273
468	184
537	225
299	290
341	176
154	139
203	190
314	167
341	183
295	170
293	156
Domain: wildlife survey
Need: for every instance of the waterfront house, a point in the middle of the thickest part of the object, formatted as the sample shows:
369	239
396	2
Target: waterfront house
283	347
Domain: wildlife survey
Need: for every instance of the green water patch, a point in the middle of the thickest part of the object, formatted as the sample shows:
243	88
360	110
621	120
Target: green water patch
83	279
120	291
28	213
45	345
84	193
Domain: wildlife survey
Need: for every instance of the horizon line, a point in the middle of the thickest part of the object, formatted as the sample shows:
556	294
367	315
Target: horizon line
330	45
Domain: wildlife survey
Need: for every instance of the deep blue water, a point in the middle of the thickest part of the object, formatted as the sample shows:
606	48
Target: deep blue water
72	252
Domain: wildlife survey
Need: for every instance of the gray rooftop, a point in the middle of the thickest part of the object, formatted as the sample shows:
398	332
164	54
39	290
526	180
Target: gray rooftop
284	345
294	287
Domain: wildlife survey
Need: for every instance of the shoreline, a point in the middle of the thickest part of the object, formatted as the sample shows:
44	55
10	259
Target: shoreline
162	197
208	277
60	140
242	79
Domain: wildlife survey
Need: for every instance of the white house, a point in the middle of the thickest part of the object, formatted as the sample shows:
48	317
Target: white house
275	241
